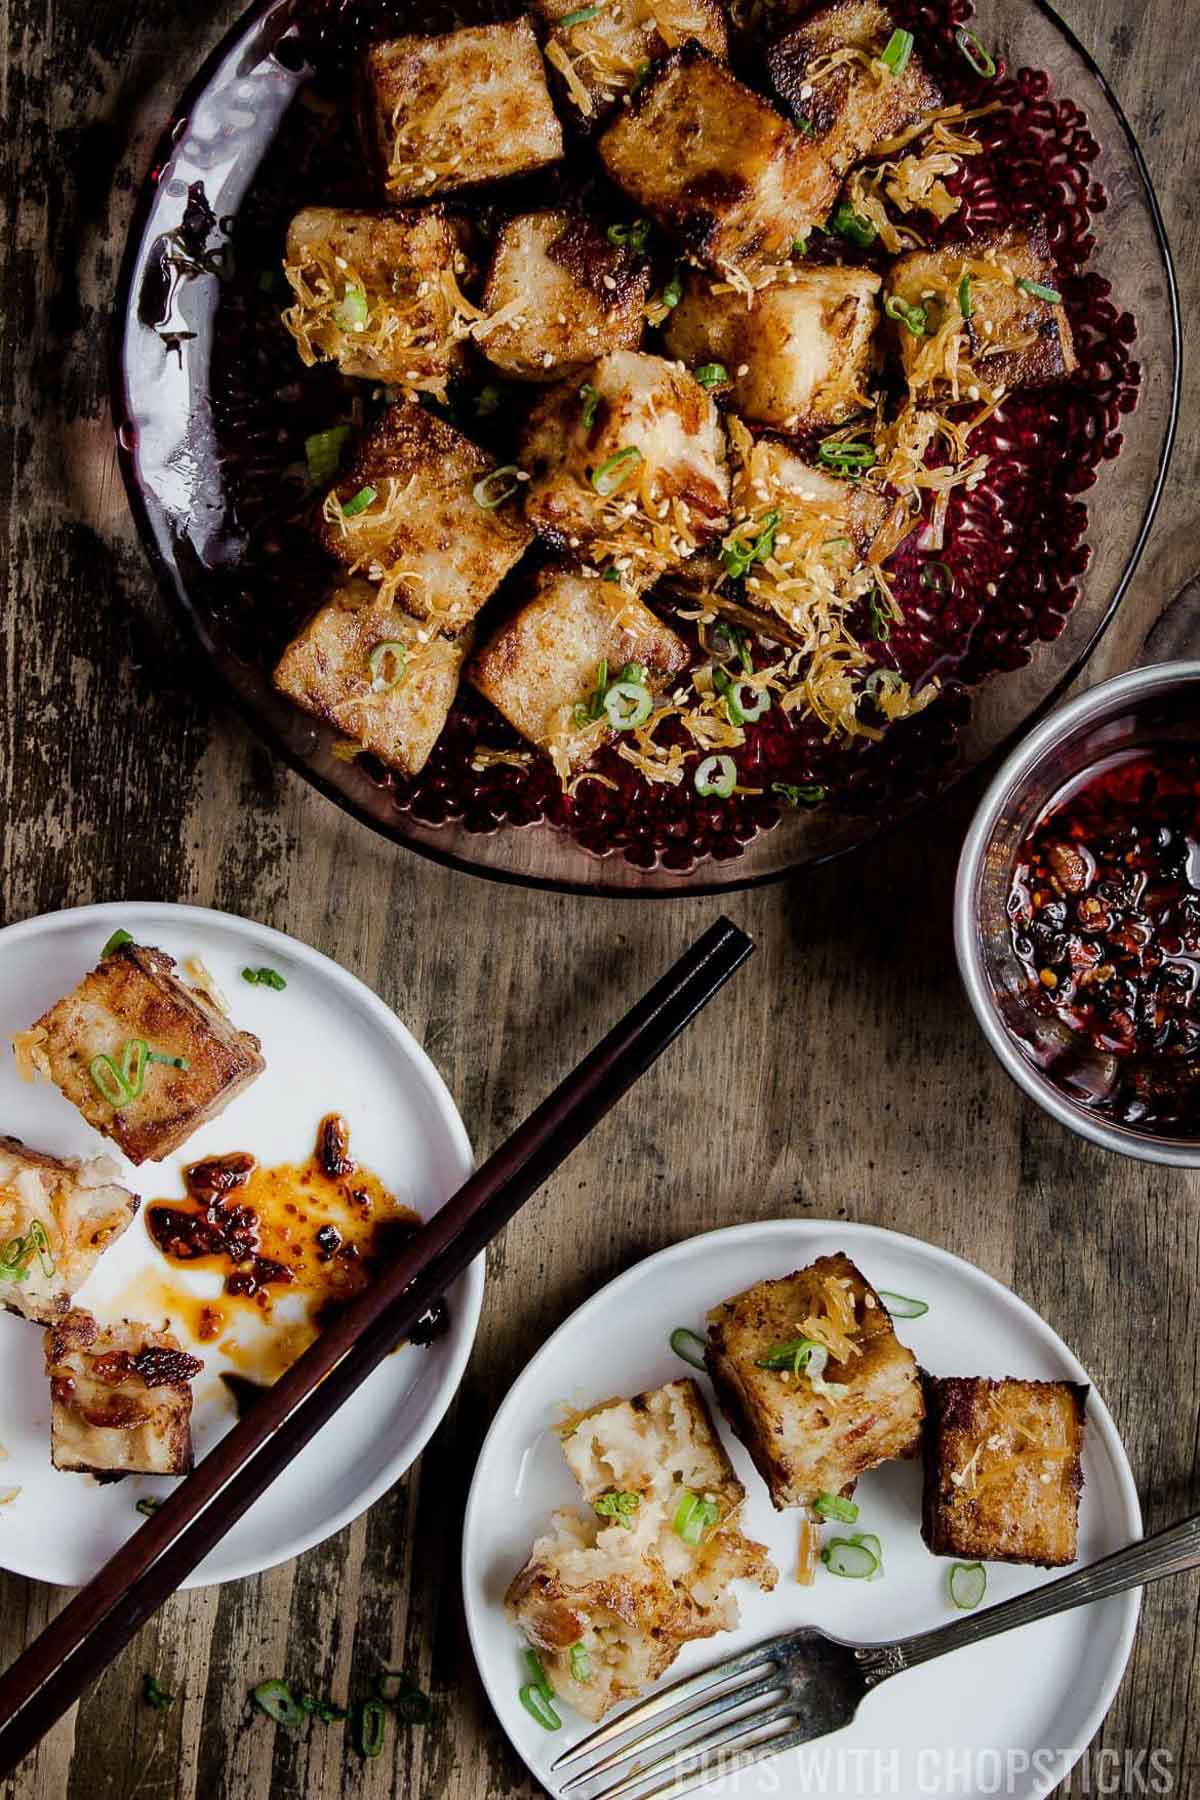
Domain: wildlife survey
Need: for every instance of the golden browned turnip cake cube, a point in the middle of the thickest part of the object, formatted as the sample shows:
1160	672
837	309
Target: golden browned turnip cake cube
715	164
828	74
823	530
814	1381
795	355
57	1217
145	1058
609	51
1016	335
376	675
608	1598
545	666
559	294
627	465
120	1398
422	512
375	293
1002	1469
449	112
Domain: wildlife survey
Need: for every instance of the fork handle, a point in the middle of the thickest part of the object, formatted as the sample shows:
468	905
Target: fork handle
1168	1552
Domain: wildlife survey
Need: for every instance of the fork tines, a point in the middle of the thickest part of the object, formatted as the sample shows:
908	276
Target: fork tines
689	1725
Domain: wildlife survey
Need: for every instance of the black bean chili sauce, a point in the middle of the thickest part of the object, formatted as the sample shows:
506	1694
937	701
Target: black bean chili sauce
1105	915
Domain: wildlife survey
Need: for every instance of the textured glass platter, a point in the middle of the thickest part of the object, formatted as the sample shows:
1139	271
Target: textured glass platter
211	417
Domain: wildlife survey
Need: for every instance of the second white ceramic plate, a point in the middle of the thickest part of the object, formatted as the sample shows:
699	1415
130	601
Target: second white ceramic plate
1009	1716
330	1046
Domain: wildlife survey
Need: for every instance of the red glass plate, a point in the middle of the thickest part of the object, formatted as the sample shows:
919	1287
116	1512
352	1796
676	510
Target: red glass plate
209	419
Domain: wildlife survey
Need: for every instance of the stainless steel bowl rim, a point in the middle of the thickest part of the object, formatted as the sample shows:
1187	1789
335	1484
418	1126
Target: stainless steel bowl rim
1086	709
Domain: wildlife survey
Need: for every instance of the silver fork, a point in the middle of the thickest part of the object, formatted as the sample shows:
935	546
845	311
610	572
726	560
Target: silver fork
804	1684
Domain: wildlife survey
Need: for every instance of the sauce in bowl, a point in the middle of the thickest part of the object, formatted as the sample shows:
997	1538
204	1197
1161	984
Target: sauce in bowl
1105	916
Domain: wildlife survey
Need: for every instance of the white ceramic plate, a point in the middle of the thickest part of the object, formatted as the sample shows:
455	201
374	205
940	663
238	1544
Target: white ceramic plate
330	1046
1009	1716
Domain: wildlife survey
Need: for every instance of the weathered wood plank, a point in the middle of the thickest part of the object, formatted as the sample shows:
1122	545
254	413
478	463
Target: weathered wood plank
861	1091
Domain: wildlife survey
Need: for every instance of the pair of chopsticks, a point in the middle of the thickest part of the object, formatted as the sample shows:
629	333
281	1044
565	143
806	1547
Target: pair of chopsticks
95	1626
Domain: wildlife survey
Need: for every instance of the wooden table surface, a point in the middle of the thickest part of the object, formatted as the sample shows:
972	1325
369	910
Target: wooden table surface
848	1081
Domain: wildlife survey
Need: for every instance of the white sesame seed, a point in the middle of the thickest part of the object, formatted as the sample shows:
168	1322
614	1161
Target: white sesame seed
547	360
610	283
743	368
992	588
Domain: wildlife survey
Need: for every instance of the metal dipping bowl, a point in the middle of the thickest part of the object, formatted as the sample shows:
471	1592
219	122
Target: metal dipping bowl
1064	1074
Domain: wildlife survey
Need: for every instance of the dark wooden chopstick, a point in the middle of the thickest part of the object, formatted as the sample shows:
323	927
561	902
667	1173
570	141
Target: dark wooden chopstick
97	1624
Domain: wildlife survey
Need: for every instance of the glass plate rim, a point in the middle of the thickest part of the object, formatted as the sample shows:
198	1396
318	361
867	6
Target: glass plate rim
688	888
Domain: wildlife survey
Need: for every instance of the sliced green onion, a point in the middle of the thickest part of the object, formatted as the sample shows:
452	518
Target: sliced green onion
913	318
591	404
612	474
588	711
809	793
389	654
37	1240
682	1341
134	1057
633	237
896	54
849	224
964	297
693	1516
147	1507
795	1354
751	702
968	1585
901	1307
275	1698
325	1710
980	59
881	621
800	246
854	1562
716	775
323	452
639	77
538	1675
579	17
358	503
352	311
170	1062
1039	290
115	942
739	556
488	400
846	456
619	1505
835	1506
264	978
738	642
611	574
109	1081
938	576
15	1258
581	1666
836	543
628	704
488	495
372	1727
805	123
724	684
539	1708
711	375
156	1695
870	1542
672	293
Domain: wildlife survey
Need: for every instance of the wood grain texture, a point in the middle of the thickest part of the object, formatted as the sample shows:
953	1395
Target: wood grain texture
849	1083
